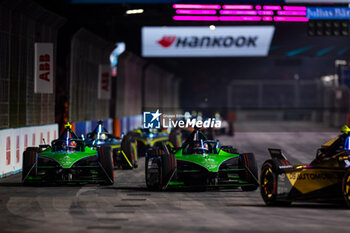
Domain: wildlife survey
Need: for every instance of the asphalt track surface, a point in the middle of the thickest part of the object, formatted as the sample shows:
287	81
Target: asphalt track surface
128	206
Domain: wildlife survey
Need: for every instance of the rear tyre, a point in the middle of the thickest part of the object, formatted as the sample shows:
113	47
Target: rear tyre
268	184
153	169
29	160
248	161
129	150
159	168
106	161
346	188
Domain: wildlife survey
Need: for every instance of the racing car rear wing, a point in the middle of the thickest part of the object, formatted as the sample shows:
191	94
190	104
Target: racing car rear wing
277	153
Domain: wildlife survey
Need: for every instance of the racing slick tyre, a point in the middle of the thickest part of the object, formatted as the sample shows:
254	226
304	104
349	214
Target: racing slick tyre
106	161
229	149
129	150
159	168
346	188
268	183
251	173
30	157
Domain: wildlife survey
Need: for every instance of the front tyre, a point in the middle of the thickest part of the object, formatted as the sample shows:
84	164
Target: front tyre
153	171
346	188
106	161
30	158
268	184
250	174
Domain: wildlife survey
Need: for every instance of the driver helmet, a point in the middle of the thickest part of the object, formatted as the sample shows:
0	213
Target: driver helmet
201	146
72	145
103	136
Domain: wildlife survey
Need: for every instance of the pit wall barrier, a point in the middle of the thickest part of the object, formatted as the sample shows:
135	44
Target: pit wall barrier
14	141
117	126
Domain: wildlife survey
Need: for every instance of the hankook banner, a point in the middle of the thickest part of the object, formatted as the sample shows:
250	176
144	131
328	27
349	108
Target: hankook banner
223	41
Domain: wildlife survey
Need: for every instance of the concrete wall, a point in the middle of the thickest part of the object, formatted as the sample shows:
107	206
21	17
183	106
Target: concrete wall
13	143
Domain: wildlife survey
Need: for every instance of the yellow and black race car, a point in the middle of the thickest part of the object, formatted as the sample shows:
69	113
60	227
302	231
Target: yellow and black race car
148	138
325	179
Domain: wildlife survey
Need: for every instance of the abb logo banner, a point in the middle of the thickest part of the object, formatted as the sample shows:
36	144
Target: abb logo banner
223	41
8	150
104	82
43	76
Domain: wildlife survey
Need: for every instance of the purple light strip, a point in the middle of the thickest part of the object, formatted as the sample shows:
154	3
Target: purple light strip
238	12
294	8
265	12
240	18
267	18
276	8
290	19
195	18
195	12
196	6
300	13
237	7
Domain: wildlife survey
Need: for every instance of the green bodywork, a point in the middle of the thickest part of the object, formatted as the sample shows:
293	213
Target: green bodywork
67	159
211	162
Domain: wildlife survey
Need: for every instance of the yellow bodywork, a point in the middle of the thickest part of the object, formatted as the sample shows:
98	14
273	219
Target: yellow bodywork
309	180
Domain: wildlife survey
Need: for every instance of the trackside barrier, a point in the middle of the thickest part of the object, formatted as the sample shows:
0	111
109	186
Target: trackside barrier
116	126
85	127
126	124
14	141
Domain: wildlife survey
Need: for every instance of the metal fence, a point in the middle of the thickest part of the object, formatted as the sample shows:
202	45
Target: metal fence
87	52
21	25
264	94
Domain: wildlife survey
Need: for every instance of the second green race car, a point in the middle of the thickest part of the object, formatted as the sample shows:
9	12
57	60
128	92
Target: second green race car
200	163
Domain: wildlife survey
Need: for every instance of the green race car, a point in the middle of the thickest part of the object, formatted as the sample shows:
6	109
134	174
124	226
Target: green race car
124	149
200	163
67	160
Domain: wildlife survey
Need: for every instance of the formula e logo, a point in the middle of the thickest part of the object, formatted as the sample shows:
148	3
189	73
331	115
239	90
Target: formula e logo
151	120
167	41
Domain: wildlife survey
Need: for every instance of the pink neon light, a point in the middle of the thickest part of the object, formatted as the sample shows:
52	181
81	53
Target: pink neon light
265	12
258	7
237	7
291	19
196	6
195	18
240	18
276	8
267	18
294	8
238	12
196	12
302	13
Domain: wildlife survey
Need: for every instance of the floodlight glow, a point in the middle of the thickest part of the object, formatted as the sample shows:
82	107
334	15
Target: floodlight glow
134	11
